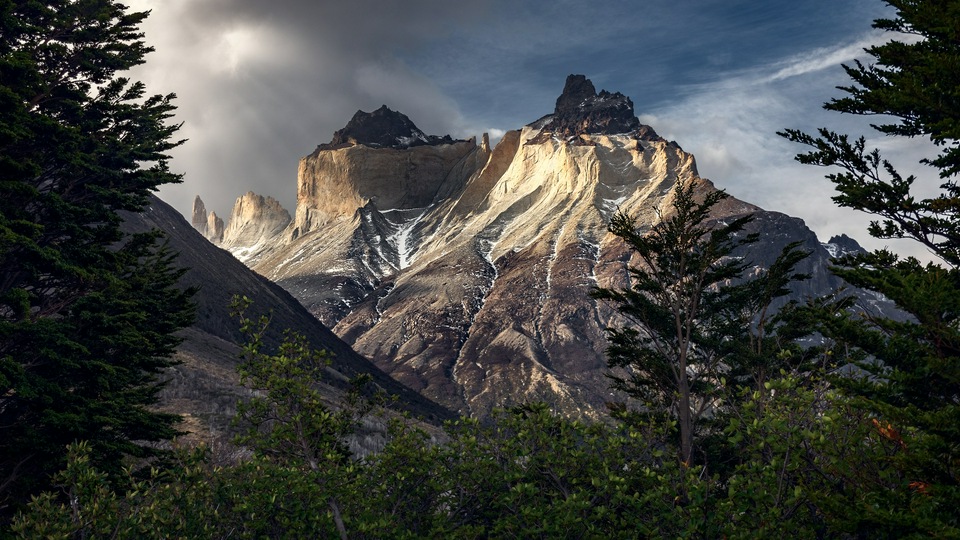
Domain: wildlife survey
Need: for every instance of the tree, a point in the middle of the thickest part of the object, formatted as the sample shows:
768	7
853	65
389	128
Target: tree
290	422
87	313
689	307
913	365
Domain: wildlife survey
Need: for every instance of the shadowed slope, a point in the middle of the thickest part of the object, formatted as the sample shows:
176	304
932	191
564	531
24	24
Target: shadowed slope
206	384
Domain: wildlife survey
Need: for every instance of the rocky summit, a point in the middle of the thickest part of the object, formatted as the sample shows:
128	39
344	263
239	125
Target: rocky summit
382	128
465	272
580	110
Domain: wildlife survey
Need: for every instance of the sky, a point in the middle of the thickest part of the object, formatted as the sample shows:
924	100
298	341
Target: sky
260	84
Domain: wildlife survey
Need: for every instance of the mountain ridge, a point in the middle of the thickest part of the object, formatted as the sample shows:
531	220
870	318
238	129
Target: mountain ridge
465	271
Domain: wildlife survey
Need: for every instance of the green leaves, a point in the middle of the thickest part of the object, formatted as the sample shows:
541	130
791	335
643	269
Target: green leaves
873	185
915	81
910	365
809	463
290	420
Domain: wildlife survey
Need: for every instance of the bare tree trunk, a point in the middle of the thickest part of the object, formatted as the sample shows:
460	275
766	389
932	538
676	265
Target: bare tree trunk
338	519
686	419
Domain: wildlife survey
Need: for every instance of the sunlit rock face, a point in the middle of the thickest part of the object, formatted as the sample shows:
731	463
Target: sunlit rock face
465	272
334	182
214	228
209	225
254	222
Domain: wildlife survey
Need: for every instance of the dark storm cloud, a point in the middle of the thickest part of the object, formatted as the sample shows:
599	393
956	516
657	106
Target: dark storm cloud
260	84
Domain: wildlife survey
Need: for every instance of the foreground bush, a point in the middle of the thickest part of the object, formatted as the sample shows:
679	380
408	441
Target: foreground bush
808	465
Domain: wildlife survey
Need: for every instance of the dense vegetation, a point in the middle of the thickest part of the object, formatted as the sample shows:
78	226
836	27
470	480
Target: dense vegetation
733	430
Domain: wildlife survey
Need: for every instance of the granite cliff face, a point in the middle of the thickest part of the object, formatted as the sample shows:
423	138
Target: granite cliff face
465	271
334	183
254	221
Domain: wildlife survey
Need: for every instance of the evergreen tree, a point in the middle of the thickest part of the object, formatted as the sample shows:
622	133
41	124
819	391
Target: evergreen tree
913	366
87	313
690	310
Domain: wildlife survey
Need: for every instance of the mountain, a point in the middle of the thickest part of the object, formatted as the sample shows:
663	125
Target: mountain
580	110
465	272
205	386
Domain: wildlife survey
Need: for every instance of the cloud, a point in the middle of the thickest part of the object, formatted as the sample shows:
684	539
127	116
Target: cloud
822	58
730	126
260	84
830	57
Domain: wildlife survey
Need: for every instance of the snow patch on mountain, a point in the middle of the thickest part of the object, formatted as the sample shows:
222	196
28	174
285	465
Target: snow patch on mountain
403	222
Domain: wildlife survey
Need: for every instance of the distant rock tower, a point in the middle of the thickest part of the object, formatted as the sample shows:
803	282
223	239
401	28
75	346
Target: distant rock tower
209	225
199	217
214	228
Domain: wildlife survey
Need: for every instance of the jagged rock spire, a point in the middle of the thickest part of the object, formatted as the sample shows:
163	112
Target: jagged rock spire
577	91
199	216
209	225
214	228
580	110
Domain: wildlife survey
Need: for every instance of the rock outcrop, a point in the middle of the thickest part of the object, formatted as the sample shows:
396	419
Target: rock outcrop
333	183
465	272
208	225
214	228
841	245
199	216
382	128
255	221
580	110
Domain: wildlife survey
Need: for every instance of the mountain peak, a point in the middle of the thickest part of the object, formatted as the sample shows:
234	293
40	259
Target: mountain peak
382	128
199	216
580	110
576	91
839	246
